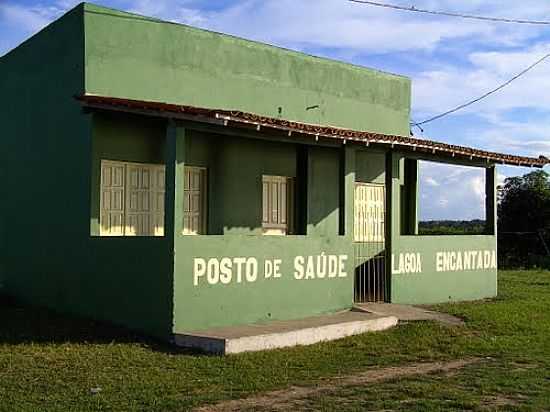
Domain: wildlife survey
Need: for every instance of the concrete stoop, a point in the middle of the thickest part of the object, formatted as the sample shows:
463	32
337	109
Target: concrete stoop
280	334
408	313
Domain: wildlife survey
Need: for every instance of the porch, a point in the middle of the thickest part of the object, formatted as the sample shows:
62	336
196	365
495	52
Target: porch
264	224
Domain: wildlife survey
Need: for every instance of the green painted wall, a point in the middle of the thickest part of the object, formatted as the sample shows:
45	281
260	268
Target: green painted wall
44	160
450	267
433	286
210	305
371	166
142	58
48	254
235	169
323	203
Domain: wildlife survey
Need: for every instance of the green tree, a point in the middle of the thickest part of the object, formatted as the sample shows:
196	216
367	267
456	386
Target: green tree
523	218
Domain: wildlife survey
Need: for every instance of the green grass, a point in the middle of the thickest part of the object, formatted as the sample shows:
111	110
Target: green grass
50	362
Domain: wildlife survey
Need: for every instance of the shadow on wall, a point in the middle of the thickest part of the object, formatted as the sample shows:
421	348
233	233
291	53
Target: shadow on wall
234	170
23	323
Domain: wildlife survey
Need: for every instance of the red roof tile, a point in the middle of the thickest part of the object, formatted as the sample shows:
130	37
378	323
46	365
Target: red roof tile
243	119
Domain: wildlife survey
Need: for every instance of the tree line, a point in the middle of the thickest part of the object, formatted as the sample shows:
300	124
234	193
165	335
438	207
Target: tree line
523	221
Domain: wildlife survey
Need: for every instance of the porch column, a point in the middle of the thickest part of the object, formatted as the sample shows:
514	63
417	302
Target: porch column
392	218
302	189
491	201
174	157
393	198
347	190
409	205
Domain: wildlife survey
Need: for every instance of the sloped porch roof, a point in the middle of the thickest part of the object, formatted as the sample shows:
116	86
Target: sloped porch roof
289	127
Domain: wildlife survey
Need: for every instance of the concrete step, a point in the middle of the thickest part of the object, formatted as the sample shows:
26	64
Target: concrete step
280	334
408	313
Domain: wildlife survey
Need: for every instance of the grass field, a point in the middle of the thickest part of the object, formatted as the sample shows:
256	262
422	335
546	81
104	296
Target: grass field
50	362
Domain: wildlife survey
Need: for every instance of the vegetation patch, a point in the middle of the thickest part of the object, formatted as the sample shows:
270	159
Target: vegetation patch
293	397
50	362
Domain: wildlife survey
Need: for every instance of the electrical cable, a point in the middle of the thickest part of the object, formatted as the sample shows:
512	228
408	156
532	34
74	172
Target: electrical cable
450	14
469	103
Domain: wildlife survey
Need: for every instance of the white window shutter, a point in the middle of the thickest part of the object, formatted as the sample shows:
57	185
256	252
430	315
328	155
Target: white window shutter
157	200
194	191
111	219
283	202
265	201
277	204
145	200
138	205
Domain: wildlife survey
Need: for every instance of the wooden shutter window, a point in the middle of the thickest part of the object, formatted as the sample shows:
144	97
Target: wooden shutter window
277	204
194	210
112	199
132	199
138	205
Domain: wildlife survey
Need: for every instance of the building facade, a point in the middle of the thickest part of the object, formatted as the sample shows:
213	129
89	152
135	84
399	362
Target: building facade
172	179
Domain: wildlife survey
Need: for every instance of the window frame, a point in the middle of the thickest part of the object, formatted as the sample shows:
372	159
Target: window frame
284	225
447	225
153	189
203	200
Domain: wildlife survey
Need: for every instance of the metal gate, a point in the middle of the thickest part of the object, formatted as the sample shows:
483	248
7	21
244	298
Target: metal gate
369	243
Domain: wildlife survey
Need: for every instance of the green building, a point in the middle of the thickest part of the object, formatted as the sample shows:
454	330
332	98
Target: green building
171	179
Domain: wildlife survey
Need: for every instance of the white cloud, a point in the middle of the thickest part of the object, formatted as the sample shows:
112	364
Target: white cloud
65	5
159	8
341	25
495	123
25	20
450	86
430	181
528	137
443	202
500	178
172	10
460	194
478	186
28	19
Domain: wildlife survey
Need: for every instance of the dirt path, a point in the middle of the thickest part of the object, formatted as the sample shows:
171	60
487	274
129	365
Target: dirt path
284	399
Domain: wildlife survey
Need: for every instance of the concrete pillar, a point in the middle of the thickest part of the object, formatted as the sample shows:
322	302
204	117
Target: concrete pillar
491	201
174	157
347	190
393	196
302	171
411	200
393	224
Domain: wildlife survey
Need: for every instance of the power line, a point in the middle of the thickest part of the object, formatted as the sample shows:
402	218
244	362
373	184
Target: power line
466	16
502	86
449	14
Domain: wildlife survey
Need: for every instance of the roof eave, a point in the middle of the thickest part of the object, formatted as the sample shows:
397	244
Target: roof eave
243	119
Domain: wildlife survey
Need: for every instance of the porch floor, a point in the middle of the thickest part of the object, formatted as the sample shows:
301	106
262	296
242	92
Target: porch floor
408	313
279	334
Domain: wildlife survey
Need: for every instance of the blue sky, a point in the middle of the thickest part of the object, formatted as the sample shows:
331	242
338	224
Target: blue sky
449	60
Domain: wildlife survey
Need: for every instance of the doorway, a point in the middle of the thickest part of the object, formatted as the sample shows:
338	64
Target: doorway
371	283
